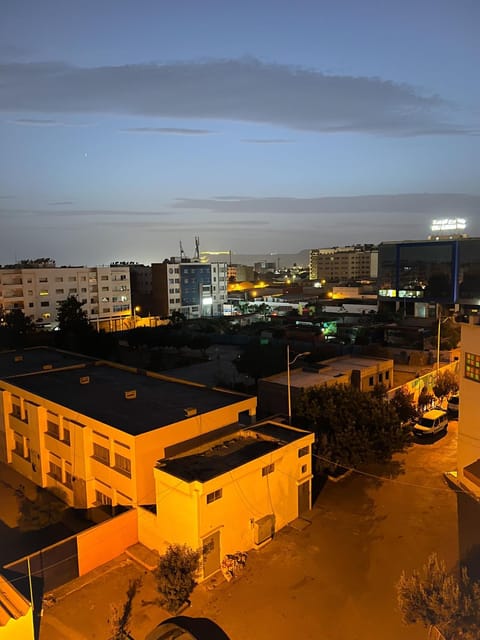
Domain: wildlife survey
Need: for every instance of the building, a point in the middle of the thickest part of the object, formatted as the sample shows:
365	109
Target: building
16	613
190	287
38	290
468	448
240	273
417	278
363	373
233	493
344	264
96	430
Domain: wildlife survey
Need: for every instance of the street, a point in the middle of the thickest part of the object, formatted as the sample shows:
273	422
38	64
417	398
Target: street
333	580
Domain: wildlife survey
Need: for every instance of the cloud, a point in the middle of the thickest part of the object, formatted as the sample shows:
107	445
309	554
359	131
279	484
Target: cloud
42	122
243	90
267	141
81	213
60	203
431	203
167	131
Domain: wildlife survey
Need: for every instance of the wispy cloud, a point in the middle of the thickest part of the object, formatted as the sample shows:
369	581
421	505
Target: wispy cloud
243	90
168	131
60	203
431	203
42	122
267	141
82	213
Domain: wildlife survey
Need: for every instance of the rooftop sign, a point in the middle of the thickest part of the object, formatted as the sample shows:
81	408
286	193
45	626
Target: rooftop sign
449	224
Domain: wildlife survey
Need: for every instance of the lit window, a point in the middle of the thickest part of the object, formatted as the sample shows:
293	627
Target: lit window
472	367
215	495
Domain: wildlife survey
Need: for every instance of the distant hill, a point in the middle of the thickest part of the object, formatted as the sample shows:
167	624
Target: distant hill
282	260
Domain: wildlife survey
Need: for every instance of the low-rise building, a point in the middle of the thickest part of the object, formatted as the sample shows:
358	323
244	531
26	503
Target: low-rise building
233	493
96	430
363	373
16	613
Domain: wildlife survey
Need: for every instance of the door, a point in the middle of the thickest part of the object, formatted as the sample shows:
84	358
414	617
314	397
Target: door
211	554
303	497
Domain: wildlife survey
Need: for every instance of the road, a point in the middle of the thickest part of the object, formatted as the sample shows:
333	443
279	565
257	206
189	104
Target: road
333	580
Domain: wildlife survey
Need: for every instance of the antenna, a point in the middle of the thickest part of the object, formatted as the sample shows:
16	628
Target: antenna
182	252
197	248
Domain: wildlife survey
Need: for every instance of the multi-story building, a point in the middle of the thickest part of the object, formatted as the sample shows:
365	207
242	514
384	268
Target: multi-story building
468	447
190	287
240	273
38	290
416	278
344	264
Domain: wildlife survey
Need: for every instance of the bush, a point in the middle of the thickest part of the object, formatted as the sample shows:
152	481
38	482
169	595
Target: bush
176	574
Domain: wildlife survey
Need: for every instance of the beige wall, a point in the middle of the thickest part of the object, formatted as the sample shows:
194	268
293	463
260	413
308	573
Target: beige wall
468	448
428	380
106	541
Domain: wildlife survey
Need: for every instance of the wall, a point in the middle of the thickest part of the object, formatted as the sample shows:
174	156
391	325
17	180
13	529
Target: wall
428	380
149	532
106	541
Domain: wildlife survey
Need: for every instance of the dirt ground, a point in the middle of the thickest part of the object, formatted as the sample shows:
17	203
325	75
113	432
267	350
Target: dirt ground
332	580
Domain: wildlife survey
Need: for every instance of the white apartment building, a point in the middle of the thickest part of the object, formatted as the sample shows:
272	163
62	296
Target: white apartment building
193	288
336	264
38	291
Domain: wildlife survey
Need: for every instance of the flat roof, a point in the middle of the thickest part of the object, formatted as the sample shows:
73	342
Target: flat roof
158	402
224	455
24	361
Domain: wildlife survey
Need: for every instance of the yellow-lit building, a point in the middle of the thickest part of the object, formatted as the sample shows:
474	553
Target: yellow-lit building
468	448
234	492
16	615
96	430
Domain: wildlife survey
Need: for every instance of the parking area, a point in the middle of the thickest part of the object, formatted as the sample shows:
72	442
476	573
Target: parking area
333	579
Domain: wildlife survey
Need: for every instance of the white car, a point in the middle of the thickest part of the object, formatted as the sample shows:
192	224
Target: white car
432	422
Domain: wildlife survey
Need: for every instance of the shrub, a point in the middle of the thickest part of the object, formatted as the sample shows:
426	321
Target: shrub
175	575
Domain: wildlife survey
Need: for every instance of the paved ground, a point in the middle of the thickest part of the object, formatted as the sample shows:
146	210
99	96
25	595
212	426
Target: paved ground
334	580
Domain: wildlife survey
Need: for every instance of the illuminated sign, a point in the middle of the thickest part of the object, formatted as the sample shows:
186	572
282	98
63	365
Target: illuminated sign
449	224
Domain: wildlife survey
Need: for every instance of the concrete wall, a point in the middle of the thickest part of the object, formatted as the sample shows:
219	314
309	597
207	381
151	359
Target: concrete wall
106	541
427	380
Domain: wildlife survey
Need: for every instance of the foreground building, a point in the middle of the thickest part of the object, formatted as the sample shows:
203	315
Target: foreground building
16	614
96	430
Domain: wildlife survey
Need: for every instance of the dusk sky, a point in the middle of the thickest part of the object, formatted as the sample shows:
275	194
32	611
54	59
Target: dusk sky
260	126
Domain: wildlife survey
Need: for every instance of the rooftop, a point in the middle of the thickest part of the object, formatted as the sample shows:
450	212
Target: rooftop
21	362
224	455
97	390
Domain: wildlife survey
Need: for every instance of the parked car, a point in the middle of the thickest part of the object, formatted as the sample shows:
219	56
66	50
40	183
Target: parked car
453	404
432	422
169	631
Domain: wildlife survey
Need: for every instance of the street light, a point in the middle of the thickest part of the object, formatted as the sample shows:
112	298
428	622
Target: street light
289	390
135	309
440	322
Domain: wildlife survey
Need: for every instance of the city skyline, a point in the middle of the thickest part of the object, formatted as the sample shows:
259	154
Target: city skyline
259	127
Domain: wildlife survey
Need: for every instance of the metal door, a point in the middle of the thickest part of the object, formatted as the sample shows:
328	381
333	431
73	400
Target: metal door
211	554
303	497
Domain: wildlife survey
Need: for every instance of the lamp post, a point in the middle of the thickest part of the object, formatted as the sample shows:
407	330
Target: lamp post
289	389
135	309
440	322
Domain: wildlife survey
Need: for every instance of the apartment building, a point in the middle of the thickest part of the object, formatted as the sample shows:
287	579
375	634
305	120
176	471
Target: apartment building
344	264
96	430
38	290
195	289
468	448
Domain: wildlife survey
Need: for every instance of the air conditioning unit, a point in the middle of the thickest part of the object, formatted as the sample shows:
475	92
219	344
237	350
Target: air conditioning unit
263	529
190	412
84	379
18	359
130	395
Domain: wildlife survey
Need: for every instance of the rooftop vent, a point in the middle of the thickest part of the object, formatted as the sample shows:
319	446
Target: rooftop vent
46	367
18	359
85	380
190	412
130	395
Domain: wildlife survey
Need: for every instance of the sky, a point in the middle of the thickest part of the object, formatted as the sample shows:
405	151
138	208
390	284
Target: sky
128	127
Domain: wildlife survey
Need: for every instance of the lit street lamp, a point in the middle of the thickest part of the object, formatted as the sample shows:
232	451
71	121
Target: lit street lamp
135	309
289	390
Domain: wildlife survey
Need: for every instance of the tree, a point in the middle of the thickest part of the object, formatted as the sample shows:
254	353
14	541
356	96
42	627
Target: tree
436	598
72	318
16	327
121	617
352	427
445	384
404	405
175	575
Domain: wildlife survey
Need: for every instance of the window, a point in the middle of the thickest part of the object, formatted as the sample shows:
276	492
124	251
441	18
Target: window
304	468
53	429
387	375
472	367
58	279
59	291
44	292
103	277
66	436
304	451
44	303
55	471
18	444
72	278
215	495
380	377
16	410
270	468
102	499
68	475
123	465
370	381
102	454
